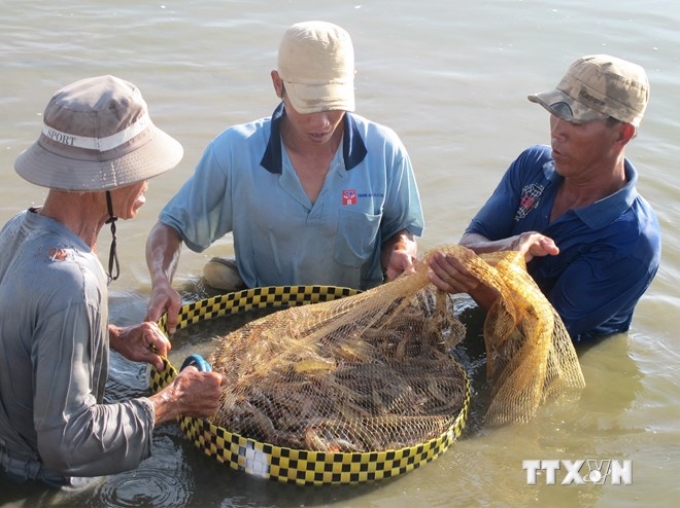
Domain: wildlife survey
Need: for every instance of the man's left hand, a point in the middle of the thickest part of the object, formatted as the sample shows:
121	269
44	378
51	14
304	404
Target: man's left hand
140	343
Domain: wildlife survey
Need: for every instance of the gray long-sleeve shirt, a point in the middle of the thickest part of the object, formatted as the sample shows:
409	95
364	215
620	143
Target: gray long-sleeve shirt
54	352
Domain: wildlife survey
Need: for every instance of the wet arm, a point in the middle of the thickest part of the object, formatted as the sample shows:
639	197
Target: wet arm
162	256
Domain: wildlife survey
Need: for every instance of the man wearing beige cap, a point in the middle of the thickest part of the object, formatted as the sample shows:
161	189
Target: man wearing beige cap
97	149
314	194
591	242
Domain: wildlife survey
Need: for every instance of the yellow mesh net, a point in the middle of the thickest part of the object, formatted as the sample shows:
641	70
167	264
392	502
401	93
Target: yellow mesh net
367	372
374	372
530	356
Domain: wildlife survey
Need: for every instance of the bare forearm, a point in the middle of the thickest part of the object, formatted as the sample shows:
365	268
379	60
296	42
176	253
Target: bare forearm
165	404
162	253
481	244
530	243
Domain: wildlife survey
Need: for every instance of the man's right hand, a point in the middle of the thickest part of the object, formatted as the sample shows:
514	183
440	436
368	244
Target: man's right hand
450	273
164	299
162	255
191	393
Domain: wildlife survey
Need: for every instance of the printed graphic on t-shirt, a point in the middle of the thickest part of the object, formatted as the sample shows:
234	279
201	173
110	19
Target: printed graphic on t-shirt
349	197
530	199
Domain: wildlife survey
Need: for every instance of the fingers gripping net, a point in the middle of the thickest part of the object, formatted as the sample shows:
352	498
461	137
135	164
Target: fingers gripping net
373	372
369	372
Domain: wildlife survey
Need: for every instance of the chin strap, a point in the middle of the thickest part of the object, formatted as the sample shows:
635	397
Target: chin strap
113	255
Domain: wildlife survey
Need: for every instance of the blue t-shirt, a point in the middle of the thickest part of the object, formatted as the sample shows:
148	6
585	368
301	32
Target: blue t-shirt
245	184
609	251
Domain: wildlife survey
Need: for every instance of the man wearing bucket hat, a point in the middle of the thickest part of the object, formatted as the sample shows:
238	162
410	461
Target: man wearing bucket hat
97	149
591	241
314	194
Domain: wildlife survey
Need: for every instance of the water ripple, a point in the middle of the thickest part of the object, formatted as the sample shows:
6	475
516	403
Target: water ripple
162	481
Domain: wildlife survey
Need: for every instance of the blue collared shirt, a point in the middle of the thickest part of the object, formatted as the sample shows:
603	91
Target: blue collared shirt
246	184
609	251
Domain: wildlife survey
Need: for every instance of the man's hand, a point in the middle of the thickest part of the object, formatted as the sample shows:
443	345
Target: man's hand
398	254
449	273
532	244
140	343
191	393
162	255
164	299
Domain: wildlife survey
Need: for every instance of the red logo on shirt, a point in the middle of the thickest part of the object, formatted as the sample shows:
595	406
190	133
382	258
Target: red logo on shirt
531	195
349	197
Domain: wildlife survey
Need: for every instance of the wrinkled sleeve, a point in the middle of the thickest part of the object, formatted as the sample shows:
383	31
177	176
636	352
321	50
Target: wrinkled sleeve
78	435
402	207
494	220
201	211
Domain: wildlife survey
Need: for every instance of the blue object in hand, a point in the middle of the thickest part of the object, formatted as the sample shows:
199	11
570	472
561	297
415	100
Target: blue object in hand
197	361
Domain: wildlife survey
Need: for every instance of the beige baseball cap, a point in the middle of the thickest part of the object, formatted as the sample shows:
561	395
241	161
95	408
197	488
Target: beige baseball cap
316	64
97	135
596	87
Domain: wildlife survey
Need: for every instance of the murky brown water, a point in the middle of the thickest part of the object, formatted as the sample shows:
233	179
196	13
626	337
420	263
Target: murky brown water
451	77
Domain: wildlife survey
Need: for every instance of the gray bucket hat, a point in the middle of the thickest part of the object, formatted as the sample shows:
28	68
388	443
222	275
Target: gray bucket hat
596	87
97	135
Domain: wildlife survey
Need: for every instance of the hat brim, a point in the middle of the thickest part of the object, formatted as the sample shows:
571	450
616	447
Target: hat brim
306	98
44	164
563	106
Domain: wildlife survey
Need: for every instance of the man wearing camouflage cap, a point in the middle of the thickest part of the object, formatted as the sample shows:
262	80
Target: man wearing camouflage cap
591	242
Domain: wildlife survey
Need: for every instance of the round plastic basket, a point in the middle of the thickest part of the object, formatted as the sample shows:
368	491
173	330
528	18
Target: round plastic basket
302	467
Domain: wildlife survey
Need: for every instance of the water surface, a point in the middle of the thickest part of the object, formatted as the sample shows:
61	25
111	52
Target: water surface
451	77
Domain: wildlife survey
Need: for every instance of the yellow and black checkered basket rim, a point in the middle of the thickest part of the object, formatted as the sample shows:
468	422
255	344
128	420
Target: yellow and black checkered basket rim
287	465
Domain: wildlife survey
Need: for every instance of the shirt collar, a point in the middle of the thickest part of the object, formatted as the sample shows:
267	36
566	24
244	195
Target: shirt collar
353	148
604	211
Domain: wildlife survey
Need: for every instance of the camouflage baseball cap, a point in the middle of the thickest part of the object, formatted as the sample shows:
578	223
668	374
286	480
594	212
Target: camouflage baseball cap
596	87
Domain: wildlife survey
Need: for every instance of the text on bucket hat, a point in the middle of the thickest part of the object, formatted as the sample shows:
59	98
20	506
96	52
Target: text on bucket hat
597	87
97	135
316	64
